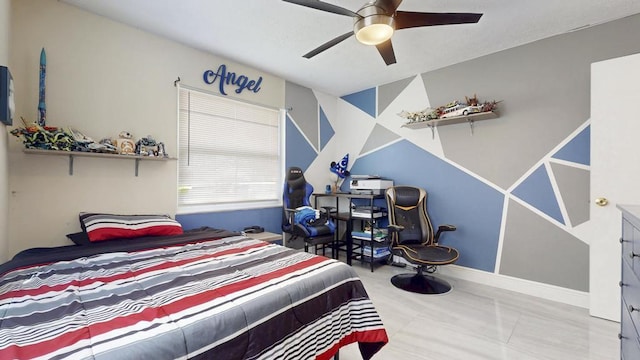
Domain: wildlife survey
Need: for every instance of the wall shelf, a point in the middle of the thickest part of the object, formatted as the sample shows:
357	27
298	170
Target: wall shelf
432	124
73	154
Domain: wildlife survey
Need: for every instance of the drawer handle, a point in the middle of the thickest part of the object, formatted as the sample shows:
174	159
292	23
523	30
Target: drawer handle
621	240
632	255
620	283
632	308
620	336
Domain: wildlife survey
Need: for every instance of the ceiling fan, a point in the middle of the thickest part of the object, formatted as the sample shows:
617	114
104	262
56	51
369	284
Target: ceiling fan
375	22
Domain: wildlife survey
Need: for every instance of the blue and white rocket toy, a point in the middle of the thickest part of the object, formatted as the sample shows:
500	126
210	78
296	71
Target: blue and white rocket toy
42	107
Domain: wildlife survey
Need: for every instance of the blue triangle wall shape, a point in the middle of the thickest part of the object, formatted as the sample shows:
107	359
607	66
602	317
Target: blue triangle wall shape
479	207
298	152
326	130
364	100
537	191
578	150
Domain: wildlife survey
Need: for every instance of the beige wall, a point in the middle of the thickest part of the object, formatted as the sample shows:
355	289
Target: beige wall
102	78
4	185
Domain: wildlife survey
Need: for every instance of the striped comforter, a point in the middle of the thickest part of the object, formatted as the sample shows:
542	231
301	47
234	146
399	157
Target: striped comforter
229	298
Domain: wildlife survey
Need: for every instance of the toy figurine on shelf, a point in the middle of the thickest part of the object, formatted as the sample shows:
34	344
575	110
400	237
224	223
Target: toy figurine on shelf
418	116
43	137
107	146
161	151
148	146
125	144
453	109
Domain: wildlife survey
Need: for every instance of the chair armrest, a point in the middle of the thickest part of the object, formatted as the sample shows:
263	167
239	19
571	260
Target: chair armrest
395	228
441	229
447	227
328	209
290	212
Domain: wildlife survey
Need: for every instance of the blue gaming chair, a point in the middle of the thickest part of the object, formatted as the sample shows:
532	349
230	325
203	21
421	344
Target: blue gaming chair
300	220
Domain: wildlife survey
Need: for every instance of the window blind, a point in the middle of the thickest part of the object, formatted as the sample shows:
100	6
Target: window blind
229	151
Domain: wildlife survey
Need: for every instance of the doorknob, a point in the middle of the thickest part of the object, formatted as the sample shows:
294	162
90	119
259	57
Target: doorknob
602	201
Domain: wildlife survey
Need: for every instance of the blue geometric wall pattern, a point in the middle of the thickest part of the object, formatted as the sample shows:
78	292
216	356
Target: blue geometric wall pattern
364	100
578	150
476	211
537	191
326	130
298	152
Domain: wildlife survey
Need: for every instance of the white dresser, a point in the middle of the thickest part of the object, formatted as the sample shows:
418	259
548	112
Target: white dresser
630	283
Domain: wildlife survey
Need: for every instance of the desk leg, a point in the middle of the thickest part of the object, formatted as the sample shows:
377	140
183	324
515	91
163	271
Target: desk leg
349	244
371	244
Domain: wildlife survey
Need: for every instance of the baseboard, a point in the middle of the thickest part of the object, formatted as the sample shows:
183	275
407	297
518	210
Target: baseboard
545	291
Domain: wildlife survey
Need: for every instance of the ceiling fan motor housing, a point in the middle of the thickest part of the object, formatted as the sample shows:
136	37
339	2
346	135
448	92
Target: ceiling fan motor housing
374	26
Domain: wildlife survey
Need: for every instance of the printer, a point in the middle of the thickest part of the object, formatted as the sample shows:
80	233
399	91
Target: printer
369	184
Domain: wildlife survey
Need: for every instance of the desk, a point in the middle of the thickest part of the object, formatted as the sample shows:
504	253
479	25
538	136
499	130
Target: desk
348	218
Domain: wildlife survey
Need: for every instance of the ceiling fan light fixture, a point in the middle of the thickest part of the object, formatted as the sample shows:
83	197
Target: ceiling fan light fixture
374	29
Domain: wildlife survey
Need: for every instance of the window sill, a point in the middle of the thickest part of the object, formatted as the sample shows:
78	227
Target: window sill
207	208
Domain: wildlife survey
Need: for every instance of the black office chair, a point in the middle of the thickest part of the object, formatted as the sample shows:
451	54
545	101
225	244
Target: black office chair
412	238
298	218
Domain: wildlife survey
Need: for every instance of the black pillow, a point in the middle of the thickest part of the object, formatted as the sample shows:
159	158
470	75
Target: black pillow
79	238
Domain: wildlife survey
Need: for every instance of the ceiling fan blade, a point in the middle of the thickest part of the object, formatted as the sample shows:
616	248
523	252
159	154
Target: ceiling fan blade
386	51
389	6
319	5
407	19
327	45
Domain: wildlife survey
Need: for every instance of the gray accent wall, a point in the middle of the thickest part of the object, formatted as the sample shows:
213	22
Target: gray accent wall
545	87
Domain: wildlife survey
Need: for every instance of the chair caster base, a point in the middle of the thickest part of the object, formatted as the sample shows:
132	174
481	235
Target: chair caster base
398	264
421	284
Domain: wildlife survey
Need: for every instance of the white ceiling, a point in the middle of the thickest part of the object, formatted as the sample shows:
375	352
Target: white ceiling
272	35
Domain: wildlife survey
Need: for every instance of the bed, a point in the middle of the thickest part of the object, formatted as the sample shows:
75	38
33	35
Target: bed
205	294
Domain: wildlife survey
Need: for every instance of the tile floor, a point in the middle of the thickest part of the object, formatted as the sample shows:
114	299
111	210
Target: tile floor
480	322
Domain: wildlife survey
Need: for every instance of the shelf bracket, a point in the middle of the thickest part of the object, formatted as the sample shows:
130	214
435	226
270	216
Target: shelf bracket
137	164
471	126
70	165
433	131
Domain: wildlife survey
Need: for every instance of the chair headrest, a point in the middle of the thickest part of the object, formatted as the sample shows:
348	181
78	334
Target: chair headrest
406	196
294	173
295	179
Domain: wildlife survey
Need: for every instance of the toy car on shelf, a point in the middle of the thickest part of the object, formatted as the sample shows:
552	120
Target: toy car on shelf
460	110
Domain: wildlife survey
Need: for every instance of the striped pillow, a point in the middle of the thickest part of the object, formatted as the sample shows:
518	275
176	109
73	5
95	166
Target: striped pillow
100	227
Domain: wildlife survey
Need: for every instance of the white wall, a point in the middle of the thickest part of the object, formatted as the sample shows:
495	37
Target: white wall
5	7
102	78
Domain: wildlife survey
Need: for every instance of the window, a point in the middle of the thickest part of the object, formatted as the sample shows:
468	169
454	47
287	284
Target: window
230	154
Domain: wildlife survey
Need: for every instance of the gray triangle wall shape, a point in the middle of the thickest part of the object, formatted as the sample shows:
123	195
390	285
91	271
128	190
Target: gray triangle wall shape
303	110
378	137
389	92
573	184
